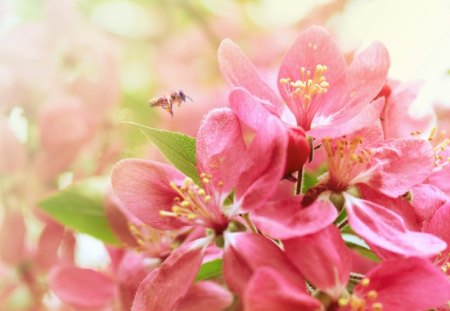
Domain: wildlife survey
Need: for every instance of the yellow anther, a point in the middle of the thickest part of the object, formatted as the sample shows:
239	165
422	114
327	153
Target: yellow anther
207	198
285	81
372	295
201	192
432	134
188	181
203	175
191	216
167	213
185	203
205	180
365	282
377	306
342	302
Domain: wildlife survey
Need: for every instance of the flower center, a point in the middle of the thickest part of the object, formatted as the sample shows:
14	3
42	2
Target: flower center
301	92
356	303
345	161
195	205
153	241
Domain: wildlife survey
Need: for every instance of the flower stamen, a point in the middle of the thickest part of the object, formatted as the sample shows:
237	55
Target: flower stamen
346	159
193	204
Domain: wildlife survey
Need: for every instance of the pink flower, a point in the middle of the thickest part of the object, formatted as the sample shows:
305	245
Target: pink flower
324	96
164	198
400	285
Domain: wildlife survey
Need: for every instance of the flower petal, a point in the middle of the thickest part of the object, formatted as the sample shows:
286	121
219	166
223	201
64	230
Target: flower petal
408	284
426	200
399	205
119	219
313	47
268	291
346	121
440	179
13	250
247	252
366	76
286	218
205	296
322	258
133	268
266	156
50	241
239	71
385	229
82	288
220	148
406	163
164	287
396	119
143	188
438	224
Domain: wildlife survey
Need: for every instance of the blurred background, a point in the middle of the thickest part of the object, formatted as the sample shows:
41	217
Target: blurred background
72	71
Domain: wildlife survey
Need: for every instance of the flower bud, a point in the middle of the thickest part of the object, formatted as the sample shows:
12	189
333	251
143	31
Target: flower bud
298	150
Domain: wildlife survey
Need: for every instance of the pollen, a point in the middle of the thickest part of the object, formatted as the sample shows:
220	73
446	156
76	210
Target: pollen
439	143
343	302
149	239
346	159
377	306
372	295
195	204
365	282
309	85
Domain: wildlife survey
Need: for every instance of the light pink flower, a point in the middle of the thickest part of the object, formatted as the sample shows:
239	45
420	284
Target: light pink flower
324	96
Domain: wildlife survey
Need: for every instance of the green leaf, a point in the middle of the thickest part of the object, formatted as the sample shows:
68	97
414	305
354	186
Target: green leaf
210	270
80	207
178	148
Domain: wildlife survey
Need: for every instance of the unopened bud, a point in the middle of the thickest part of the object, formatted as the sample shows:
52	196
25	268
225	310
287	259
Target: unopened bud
298	150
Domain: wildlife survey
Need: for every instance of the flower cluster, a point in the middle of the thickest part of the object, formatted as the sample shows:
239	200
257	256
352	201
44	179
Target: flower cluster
327	197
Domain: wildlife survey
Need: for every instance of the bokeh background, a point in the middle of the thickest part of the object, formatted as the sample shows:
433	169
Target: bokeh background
71	73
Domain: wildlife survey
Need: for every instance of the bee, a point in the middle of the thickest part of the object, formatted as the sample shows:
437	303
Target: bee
166	102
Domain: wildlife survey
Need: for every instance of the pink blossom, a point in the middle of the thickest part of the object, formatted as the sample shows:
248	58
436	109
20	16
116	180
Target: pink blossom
403	285
324	96
164	198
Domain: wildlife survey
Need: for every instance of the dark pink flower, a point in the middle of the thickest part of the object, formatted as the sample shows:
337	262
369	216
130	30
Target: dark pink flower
164	198
400	285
